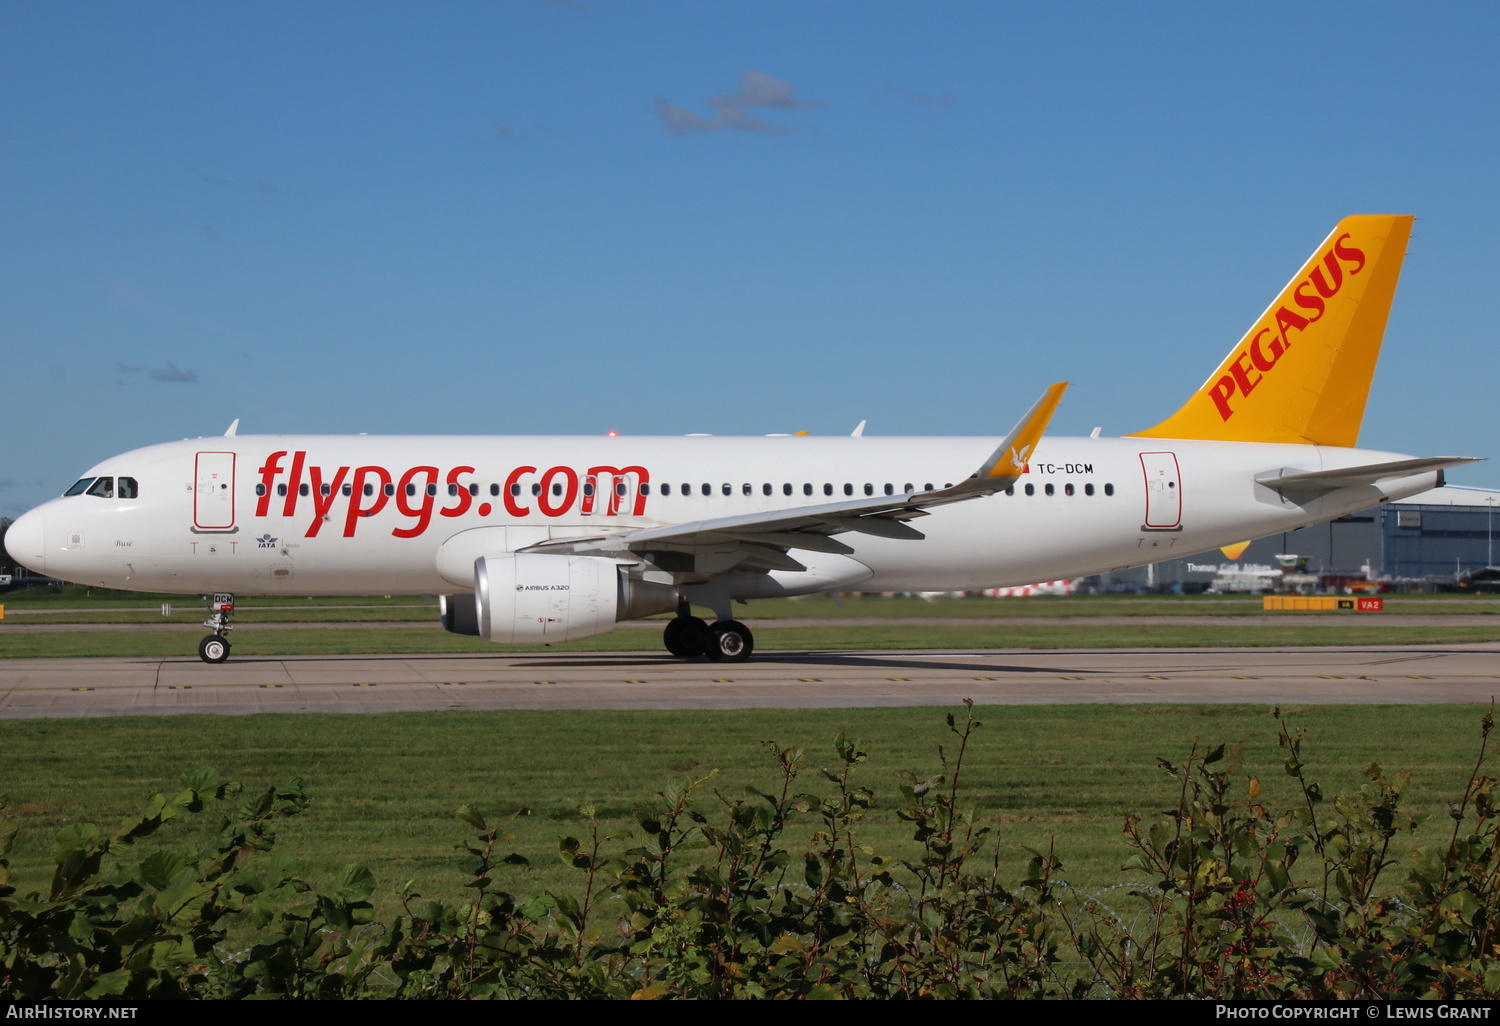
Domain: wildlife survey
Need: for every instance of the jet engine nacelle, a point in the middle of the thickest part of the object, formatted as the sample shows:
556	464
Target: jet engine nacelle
528	598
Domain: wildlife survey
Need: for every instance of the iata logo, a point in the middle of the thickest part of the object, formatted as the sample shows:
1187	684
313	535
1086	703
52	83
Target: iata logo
1270	342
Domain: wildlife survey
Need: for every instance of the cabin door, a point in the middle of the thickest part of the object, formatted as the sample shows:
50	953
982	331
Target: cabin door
213	491
1163	492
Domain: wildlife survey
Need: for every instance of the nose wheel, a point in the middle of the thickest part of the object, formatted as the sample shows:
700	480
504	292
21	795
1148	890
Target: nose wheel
215	647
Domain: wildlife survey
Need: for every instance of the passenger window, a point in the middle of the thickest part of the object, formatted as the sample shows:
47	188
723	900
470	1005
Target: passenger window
388	488
890	490
1068	488
1088	489
728	488
304	491
347	489
588	488
556	490
765	489
807	489
452	489
80	486
473	489
848	489
325	489
907	488
828	489
103	488
786	489
869	489
666	489
515	488
1011	490
928	488
281	489
260	489
708	489
411	490
645	488
1109	489
494	490
748	489
620	489
1049	489
369	489
431	487
128	488
536	489
1031	489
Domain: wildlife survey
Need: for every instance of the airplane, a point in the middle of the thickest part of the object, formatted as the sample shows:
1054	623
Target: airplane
535	539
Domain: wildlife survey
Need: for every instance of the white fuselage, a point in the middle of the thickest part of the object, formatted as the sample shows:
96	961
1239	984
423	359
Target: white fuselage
1086	505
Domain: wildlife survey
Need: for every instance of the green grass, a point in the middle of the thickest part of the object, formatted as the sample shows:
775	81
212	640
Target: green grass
47	605
418	639
385	785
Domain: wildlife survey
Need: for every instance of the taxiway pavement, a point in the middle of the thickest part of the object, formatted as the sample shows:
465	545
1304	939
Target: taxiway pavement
38	688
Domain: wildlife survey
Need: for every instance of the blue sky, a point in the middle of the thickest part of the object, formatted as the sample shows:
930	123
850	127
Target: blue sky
738	218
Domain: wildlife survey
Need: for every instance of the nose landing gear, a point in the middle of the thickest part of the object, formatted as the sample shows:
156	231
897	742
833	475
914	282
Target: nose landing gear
215	647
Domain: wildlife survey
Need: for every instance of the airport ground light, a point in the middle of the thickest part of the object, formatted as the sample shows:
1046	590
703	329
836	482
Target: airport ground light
709	896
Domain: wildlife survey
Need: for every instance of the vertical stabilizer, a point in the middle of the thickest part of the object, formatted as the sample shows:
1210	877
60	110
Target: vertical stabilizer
1302	373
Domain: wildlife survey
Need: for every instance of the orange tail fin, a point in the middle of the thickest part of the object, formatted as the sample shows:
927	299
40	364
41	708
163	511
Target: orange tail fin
1302	372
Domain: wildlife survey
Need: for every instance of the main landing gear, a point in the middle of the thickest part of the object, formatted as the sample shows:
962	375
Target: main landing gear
215	647
724	641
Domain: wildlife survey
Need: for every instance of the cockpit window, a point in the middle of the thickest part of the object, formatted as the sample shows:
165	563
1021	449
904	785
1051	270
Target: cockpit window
80	486
128	488
103	487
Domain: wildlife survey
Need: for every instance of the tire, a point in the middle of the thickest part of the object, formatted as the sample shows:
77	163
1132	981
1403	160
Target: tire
729	642
213	649
686	636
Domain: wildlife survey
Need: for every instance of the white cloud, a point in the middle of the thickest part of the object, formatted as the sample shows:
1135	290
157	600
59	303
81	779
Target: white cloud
757	91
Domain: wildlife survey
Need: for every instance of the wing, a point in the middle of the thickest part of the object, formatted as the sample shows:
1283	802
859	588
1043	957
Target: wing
761	540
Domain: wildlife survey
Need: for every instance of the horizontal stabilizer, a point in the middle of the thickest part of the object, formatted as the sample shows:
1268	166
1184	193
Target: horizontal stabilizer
1287	479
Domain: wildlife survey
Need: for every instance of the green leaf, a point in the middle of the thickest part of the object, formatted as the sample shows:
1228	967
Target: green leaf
205	780
355	883
472	816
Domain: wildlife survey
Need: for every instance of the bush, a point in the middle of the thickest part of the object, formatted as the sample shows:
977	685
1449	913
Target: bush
707	899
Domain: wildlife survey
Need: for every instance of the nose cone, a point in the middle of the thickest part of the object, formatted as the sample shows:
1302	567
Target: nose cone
24	542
